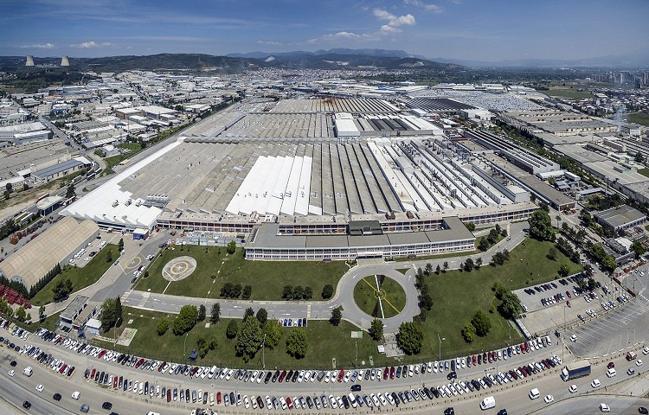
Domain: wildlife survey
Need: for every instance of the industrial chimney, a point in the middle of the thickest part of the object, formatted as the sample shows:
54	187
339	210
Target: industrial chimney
29	61
65	61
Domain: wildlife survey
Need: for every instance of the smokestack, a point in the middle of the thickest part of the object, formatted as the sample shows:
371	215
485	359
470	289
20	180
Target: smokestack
65	61
29	60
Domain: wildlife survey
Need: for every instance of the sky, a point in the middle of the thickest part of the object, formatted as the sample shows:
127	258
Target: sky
484	30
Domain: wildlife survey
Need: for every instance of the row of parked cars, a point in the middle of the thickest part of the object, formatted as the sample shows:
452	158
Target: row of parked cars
354	399
48	360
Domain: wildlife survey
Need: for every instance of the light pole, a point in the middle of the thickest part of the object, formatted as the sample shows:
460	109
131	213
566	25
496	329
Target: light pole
263	356
439	342
184	343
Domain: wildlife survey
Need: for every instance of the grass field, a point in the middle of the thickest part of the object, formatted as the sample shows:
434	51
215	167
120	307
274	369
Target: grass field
458	295
569	93
392	295
50	323
326	342
215	268
80	277
644	172
641	118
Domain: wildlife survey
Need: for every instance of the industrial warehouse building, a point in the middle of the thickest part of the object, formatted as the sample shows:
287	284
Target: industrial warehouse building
620	218
54	246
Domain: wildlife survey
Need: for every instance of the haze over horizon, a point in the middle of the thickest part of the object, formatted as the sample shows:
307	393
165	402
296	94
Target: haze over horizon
493	31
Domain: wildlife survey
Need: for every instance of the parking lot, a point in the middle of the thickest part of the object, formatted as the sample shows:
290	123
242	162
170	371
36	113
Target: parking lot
87	252
618	328
544	295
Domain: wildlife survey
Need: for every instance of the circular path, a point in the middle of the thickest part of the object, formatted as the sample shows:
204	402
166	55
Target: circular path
179	268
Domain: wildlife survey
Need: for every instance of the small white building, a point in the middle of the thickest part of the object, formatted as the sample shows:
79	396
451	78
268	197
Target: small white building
93	327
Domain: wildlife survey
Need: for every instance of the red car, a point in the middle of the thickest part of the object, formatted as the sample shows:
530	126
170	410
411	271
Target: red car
218	398
341	375
92	374
289	402
282	376
386	373
115	380
392	371
168	395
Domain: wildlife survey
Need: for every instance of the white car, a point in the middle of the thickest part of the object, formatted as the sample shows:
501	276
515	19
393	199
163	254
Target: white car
595	383
638	362
572	388
11	373
39	388
573	338
75	395
604	408
611	372
534	394
645	350
548	399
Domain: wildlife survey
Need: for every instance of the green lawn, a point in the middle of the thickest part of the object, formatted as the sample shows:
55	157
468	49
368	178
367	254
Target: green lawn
392	295
50	323
325	343
644	172
570	93
80	277
439	256
458	295
215	268
638	118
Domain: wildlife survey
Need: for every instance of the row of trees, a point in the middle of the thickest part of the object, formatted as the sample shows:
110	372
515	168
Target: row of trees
45	280
297	292
230	290
492	238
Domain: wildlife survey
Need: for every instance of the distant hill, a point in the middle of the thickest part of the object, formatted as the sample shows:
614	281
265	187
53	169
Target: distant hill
330	59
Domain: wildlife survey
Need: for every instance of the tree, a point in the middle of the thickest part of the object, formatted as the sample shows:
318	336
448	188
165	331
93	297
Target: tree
185	320
119	313
478	263
468	265
247	292
428	269
510	306
108	314
425	301
376	329
481	323
120	244
232	329
327	292
336	315
287	292
41	313
231	247
248	313
564	270
201	313
249	338
204	346
552	254
163	326
438	269
470	226
445	265
21	314
608	262
70	192
484	244
541	226
109	255
215	314
308	293
273	333
62	289
410	338
298	292
262	316
637	248
468	332
296	344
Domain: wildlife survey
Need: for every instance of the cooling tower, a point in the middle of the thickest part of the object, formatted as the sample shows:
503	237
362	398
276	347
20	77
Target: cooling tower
29	61
65	61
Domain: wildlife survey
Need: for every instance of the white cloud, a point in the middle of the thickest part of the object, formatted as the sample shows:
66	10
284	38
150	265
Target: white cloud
329	37
90	44
429	7
393	22
39	46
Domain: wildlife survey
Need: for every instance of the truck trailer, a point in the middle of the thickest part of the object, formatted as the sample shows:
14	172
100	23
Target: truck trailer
575	370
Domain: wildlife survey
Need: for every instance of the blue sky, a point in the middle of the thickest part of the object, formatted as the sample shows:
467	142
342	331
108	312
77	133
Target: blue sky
489	30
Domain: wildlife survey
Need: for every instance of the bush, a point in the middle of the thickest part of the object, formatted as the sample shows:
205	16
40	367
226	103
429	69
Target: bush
163	326
327	292
247	292
481	323
468	332
231	331
296	343
201	313
336	316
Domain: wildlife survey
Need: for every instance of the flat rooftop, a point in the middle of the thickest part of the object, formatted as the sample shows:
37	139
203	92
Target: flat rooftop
620	216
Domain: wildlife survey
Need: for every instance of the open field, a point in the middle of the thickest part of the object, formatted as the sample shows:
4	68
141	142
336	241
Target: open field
215	268
325	343
638	118
80	277
644	172
458	295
